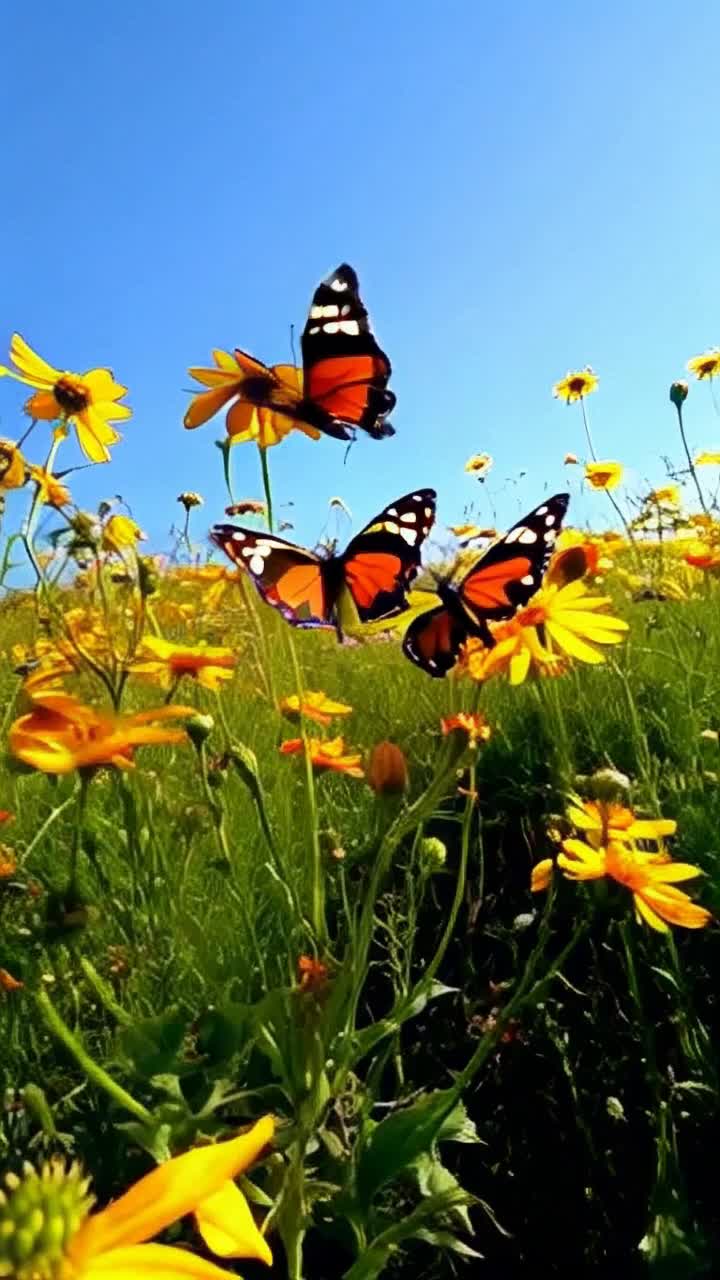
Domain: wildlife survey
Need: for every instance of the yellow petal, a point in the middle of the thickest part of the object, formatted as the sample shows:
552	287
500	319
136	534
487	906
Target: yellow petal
672	872
103	386
31	364
146	1261
645	912
572	644
242	422
519	666
228	1227
207	404
171	1191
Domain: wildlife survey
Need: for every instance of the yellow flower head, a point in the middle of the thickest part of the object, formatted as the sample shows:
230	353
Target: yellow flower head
189	499
708	459
61	734
652	883
252	386
576	385
667	495
12	466
603	822
93	1246
315	706
326	753
603	475
479	464
88	401
705	366
121	532
165	663
51	491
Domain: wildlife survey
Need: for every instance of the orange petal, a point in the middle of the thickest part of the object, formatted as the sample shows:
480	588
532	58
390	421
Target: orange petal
43	406
228	1227
242	419
207	404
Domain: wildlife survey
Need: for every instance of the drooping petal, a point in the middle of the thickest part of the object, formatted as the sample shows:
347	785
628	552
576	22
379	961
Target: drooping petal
519	665
646	913
241	422
228	1228
675	906
204	406
153	1262
37	371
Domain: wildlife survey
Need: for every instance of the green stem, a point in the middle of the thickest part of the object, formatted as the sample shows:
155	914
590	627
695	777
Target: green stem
317	913
266	486
42	830
688	455
91	1068
586	424
78	832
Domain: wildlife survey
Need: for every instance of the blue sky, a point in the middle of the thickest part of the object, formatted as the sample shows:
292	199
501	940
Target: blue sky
522	189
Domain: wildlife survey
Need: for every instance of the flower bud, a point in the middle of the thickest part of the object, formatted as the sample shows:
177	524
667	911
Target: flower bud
608	785
199	727
39	1214
387	771
189	499
148	577
679	393
433	855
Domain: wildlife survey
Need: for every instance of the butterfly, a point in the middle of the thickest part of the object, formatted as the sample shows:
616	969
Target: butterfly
375	569
345	372
497	585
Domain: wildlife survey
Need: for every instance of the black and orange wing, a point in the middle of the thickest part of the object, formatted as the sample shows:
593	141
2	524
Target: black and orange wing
433	640
381	562
345	372
287	577
511	570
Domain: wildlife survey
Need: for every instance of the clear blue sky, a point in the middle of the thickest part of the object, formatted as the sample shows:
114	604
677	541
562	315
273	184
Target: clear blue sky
522	189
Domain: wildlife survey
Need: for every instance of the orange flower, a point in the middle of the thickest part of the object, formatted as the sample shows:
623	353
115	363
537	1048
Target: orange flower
541	875
12	466
651	883
8	983
472	725
8	862
603	822
61	734
246	507
315	706
88	401
312	974
50	490
326	753
165	663
6	816
387	770
251	385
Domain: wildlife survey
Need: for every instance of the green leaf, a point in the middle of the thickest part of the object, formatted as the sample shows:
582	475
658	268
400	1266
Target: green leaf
433	1179
446	1240
153	1138
397	1142
153	1045
458	1127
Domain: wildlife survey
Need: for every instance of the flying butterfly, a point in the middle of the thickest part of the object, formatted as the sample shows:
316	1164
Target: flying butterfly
376	568
498	584
345	372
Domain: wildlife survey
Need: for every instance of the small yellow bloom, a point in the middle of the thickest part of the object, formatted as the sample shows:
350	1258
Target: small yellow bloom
574	386
121	532
707	459
315	706
12	466
479	464
667	495
705	366
603	475
251	385
326	753
603	822
472	725
541	875
88	401
189	499
651	883
51	491
61	734
165	663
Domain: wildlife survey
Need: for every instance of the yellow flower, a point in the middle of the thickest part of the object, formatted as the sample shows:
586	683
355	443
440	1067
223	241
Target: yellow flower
113	1242
651	883
121	532
472	725
249	383
166	663
707	459
574	386
51	491
189	499
479	464
12	466
88	401
61	734
603	475
315	706
667	496
705	366
602	822
541	875
326	753
517	650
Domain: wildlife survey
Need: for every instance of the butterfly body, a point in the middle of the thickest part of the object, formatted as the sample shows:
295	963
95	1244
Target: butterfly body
499	583
375	570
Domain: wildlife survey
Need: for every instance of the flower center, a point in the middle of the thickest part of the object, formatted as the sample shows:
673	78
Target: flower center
577	385
534	616
71	395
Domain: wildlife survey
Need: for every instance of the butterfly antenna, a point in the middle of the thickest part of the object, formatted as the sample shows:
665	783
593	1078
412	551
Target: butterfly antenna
347	451
293	348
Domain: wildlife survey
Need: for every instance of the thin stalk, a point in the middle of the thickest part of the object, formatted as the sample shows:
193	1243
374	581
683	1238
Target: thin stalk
586	425
78	832
266	486
688	455
317	912
42	830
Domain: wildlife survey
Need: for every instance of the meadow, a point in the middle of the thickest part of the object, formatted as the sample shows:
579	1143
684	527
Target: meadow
316	966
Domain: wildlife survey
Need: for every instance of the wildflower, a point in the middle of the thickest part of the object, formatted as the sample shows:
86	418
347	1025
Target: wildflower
666	496
603	475
242	379
312	974
432	855
541	875
121	532
517	649
189	499
479	464
315	706
472	725
12	466
46	1228
246	507
387	771
165	663
572	563
8	862
9	983
466	531
652	884
51	491
61	734
6	815
679	393
87	401
570	460
707	459
326	753
574	386
603	822
705	366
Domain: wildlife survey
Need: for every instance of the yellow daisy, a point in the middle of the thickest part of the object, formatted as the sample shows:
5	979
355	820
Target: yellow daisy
576	385
705	366
603	475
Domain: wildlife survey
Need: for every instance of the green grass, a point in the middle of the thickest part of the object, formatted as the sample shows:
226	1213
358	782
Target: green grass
594	1110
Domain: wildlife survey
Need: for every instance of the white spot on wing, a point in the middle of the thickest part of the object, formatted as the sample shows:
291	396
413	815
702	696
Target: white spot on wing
550	536
428	512
349	326
257	564
391	527
527	537
408	517
527	581
550	520
345	310
514	534
410	536
392	511
315	328
541	511
316	313
330	311
338	285
332	326
239	536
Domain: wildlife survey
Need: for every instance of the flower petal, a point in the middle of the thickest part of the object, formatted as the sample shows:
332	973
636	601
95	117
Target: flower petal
37	371
146	1261
645	912
572	644
207	404
228	1228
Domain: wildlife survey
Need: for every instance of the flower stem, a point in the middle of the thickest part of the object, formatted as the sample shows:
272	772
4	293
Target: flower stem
52	817
317	913
586	424
266	486
688	455
78	833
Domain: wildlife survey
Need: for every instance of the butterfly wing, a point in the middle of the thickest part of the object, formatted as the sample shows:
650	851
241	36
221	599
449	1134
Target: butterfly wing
381	562
433	641
511	570
287	577
345	372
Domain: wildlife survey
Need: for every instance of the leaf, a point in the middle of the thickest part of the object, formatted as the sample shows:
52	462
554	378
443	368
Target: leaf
410	1007
397	1141
446	1240
458	1127
224	1032
153	1044
152	1137
433	1179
